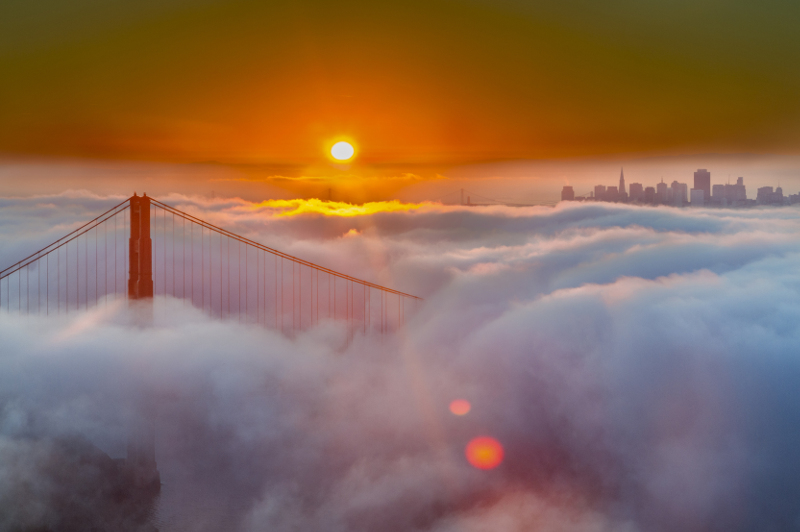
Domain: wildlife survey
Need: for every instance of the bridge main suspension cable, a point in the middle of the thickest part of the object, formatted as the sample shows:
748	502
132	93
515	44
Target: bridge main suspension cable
173	254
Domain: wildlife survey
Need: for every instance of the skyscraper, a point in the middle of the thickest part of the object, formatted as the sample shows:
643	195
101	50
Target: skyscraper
680	193
621	182
637	192
567	193
736	195
661	192
600	192
718	195
764	196
702	181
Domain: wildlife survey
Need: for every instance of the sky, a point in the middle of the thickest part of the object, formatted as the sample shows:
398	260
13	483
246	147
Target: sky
515	181
638	365
435	82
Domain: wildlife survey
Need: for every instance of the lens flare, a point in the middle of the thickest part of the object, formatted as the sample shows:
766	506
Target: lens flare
484	452
460	407
342	151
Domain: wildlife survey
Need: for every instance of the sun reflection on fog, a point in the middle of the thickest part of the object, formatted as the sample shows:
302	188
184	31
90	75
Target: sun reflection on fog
460	407
484	452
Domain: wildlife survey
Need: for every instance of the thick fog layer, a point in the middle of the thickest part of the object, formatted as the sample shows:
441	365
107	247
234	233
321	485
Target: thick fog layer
639	366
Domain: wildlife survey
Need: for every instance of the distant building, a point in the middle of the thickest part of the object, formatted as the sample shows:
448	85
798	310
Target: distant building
636	193
680	194
621	182
767	197
600	192
698	197
718	195
702	181
567	194
764	196
740	191
612	194
649	195
661	192
736	195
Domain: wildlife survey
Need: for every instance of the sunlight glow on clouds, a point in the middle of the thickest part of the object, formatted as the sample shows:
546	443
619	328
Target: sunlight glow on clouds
296	207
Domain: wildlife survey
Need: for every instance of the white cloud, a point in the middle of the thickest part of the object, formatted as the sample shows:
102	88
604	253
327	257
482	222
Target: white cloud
638	364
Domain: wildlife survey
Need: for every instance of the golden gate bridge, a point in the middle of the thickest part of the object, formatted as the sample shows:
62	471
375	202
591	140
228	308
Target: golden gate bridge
141	249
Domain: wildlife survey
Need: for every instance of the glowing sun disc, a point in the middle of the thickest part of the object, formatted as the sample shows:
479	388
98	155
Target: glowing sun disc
484	452
342	151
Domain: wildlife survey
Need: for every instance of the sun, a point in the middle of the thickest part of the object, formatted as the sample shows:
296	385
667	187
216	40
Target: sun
342	151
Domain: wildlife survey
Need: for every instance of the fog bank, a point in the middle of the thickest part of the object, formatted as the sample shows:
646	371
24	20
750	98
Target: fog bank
637	364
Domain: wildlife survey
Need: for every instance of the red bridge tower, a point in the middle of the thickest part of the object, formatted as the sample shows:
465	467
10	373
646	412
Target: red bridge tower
140	279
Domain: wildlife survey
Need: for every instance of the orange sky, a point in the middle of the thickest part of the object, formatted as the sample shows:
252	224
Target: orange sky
417	82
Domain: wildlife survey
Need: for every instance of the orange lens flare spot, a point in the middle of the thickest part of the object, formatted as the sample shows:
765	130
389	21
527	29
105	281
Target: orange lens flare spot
342	151
484	452
460	407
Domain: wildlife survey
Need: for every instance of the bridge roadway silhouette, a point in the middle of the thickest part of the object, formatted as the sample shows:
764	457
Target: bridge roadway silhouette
172	254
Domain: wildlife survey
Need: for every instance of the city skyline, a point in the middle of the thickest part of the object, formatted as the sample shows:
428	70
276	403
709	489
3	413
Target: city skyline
677	194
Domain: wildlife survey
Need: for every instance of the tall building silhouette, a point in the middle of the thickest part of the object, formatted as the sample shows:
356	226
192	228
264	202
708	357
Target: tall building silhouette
621	182
661	192
567	193
600	192
702	181
718	195
735	195
680	193
637	192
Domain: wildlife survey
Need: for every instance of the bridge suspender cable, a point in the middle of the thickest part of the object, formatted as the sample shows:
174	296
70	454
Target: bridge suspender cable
67	281
275	252
63	240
